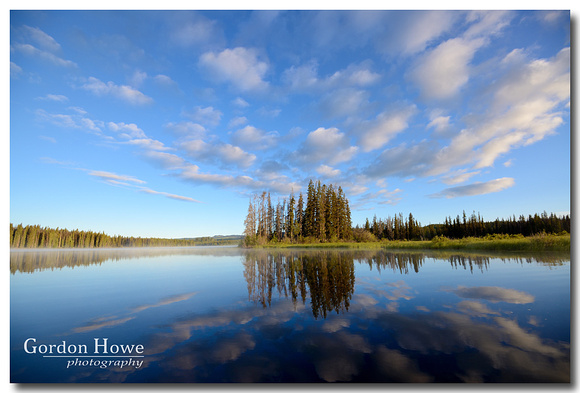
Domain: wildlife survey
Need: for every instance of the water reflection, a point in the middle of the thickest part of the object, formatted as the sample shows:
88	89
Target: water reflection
469	343
32	260
319	316
328	277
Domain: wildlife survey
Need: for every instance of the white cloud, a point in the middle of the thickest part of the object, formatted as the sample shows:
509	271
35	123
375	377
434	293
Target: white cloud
439	123
231	154
44	55
132	182
414	30
381	197
251	137
378	132
148	143
237	121
71	121
240	102
476	188
187	129
442	72
239	66
266	112
127	131
166	160
170	196
327	145
123	92
327	171
109	176
193	29
487	23
54	97
305	77
39	37
208	115
193	174
524	109
403	160
15	70
302	77
219	153
138	78
343	102
457	177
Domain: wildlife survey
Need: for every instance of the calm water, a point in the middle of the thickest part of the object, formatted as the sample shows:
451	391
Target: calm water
232	315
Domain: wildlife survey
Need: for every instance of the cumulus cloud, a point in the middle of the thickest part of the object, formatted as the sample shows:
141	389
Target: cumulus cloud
187	129
305	77
218	153
239	66
127	131
240	102
414	30
343	102
378	132
476	188
526	104
327	145
78	121
327	171
251	137
193	29
524	109
208	115
439	122
487	23
442	72
122	92
238	121
275	183
403	160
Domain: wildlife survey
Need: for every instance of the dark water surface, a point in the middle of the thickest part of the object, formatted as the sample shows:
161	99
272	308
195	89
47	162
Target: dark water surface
220	314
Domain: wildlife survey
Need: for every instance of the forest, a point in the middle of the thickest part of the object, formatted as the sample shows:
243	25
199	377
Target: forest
321	216
407	228
324	216
35	236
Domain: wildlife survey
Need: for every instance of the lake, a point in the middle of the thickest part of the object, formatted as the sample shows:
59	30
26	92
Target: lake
225	314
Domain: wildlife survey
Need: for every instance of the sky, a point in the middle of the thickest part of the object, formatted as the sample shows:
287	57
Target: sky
165	123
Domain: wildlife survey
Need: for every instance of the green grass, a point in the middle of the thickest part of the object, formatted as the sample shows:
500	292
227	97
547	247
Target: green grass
541	242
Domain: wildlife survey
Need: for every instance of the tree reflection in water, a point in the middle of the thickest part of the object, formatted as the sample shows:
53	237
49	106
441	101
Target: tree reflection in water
327	276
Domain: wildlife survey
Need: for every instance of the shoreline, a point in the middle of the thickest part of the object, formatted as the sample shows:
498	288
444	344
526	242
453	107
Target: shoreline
541	242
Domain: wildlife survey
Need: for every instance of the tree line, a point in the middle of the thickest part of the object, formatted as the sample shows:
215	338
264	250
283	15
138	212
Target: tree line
407	228
35	236
323	215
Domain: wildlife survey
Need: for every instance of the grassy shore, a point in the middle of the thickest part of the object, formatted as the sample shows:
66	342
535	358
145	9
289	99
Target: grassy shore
542	242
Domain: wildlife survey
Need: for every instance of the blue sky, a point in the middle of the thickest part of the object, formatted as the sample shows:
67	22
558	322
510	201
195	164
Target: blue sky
162	123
